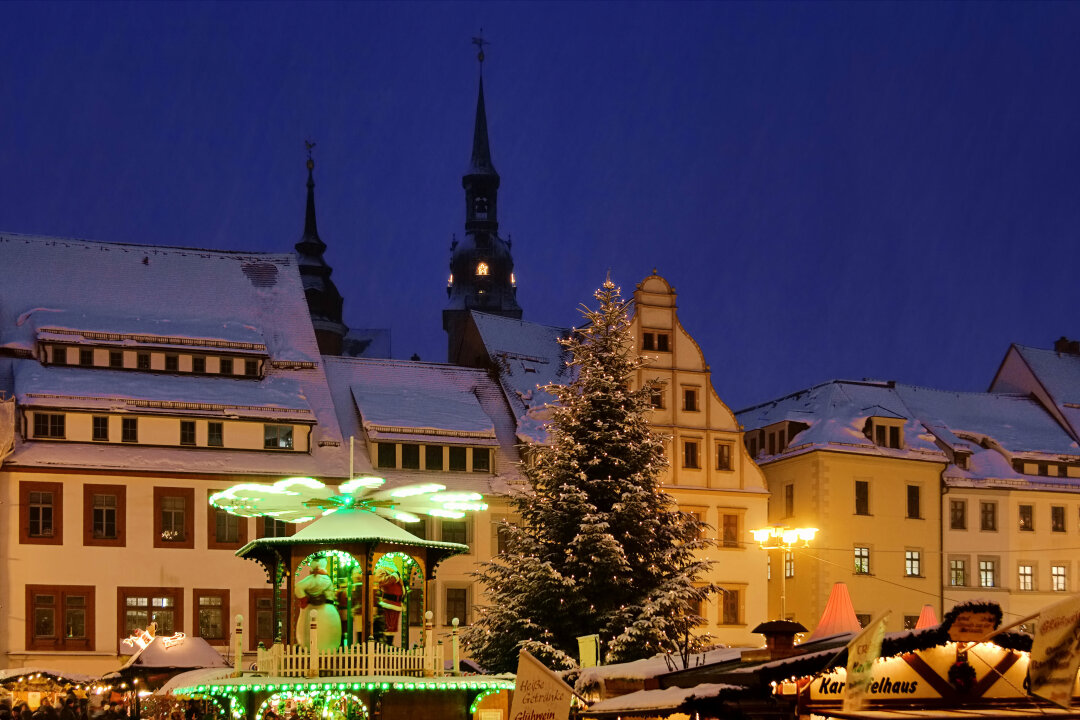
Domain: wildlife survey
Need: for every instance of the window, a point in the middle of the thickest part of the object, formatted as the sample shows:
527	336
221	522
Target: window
261	609
215	434
789	564
863	618
226	366
49	425
41	512
198	364
690	454
174	521
86	357
60	617
958	514
116	359
433	457
1027	518
648	341
910	621
913	563
656	397
690	400
1057	518
251	368
415	606
387	455
730	530
138	607
884	434
988	516
457	605
225	530
1058	580
862	560
187	432
103	515
277	437
914	509
172	363
59	355
482	268
455	531
212	614
723	456
1025	580
410	456
100	428
142	361
789	500
457	459
958	573
730	608
129	429
663	342
269	527
862	497
987	573
481	459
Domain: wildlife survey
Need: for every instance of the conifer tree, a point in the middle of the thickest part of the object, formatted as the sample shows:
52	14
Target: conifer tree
599	548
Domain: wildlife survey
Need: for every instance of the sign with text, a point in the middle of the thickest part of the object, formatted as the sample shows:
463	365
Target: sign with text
1055	653
862	652
539	694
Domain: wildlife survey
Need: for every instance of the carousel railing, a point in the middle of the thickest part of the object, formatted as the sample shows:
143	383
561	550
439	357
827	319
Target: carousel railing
368	658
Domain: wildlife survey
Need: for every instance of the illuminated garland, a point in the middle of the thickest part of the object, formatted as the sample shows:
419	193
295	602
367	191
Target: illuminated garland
301	687
316	697
481	696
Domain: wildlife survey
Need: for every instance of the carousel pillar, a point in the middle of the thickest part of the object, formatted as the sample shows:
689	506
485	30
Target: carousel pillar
455	651
238	644
429	647
275	602
313	646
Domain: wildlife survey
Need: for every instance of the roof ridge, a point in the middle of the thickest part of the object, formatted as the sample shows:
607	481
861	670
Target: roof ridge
396	362
9	236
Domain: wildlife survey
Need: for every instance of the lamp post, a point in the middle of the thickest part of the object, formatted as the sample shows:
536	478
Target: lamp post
779	537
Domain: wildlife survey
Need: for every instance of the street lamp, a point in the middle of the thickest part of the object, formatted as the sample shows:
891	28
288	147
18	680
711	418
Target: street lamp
778	537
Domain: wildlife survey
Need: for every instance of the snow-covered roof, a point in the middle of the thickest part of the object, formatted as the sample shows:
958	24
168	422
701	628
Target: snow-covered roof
184	652
836	412
650	667
666	699
29	670
528	357
230	301
406	401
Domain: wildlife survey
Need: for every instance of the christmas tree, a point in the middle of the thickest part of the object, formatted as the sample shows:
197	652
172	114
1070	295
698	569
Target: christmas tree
600	548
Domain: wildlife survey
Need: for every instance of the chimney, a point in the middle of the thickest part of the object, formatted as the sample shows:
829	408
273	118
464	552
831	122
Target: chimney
1066	346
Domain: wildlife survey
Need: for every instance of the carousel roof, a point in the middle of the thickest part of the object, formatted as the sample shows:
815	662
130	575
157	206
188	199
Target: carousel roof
352	526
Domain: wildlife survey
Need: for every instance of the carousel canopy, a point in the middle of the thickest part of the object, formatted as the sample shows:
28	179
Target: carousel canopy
351	526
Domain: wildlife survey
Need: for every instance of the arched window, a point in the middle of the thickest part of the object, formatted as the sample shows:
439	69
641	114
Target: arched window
482	268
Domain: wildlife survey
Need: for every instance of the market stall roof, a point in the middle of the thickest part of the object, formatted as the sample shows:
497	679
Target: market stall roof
839	615
649	702
1020	713
9	675
175	652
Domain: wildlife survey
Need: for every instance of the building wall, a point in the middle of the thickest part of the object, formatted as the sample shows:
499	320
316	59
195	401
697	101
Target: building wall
138	563
823	495
709	481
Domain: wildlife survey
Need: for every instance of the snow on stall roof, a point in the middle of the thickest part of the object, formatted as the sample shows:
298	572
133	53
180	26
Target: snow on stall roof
650	667
247	297
189	651
27	670
665	699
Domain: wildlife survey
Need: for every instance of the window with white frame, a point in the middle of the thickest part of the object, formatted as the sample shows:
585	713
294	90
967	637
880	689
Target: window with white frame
1058	579
862	560
1025	578
913	563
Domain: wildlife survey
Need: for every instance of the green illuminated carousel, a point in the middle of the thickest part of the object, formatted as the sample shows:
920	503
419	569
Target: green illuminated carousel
340	586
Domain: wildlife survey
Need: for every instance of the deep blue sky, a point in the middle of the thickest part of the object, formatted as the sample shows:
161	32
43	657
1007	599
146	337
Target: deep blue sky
835	190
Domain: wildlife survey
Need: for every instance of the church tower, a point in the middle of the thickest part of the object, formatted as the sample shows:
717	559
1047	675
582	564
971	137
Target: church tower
481	266
323	299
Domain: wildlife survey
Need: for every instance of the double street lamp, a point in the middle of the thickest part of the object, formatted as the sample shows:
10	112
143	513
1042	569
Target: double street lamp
779	537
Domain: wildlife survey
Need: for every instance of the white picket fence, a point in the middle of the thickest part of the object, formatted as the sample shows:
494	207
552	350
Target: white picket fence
369	658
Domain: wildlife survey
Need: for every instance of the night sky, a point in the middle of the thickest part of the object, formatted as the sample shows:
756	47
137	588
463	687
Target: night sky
836	190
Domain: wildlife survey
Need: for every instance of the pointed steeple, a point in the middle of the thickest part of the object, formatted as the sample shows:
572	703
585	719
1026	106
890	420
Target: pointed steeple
481	149
481	266
323	299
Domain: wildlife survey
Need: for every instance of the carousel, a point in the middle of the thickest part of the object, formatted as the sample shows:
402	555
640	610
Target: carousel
341	585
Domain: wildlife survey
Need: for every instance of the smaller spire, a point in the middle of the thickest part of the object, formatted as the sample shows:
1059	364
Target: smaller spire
311	242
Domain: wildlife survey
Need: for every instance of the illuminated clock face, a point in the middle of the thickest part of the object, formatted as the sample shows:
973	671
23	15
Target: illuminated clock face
482	268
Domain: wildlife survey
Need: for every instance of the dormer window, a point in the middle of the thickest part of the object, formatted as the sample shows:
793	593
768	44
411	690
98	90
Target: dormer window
480	208
885	432
482	268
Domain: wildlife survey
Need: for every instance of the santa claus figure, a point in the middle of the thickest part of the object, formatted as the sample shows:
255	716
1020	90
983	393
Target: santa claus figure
390	597
316	593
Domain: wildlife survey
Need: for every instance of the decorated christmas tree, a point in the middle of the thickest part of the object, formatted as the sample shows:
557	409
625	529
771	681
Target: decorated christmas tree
600	548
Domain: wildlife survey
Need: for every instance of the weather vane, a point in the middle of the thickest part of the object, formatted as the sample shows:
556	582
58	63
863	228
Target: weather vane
480	42
309	145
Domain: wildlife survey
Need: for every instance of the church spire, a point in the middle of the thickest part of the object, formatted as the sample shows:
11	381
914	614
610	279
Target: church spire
323	299
481	266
